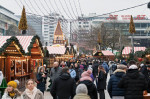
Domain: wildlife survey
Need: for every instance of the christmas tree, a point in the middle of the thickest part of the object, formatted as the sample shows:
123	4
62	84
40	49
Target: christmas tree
23	22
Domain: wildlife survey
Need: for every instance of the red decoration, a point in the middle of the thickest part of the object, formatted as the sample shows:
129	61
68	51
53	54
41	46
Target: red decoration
140	59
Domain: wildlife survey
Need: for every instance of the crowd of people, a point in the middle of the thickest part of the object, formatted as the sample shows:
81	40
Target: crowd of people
85	80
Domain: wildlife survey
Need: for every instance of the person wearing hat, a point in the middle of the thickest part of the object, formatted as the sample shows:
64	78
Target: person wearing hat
11	91
134	83
113	90
81	92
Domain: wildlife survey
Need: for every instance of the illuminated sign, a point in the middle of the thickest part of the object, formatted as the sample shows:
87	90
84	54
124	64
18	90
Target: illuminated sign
127	17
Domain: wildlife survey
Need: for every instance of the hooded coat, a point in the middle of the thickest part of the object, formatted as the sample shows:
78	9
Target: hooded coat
63	87
113	89
134	84
105	67
92	92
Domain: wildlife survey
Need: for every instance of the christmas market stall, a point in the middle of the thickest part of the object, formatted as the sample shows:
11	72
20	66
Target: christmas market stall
13	62
127	50
21	60
104	55
60	53
34	52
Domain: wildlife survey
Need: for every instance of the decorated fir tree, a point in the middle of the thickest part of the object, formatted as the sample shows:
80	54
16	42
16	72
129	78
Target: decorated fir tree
23	22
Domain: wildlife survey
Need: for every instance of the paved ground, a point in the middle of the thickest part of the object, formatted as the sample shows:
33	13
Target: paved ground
48	96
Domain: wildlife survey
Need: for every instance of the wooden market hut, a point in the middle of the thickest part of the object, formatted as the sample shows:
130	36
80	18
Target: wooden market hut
23	53
59	53
104	55
13	62
127	50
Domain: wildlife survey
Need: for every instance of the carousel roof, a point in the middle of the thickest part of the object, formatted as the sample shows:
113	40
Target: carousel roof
56	49
127	50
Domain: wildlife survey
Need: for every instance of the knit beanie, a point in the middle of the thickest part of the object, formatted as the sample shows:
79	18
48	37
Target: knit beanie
12	84
121	66
81	88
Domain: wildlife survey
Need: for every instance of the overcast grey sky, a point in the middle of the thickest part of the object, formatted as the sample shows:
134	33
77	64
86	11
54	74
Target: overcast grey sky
87	6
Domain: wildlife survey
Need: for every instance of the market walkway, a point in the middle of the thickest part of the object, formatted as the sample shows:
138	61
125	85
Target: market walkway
48	96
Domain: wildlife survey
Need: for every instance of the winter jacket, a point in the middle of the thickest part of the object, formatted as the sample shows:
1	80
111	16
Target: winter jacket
78	73
81	96
113	89
72	73
6	96
105	67
92	92
63	87
101	81
55	72
39	95
95	69
42	82
134	84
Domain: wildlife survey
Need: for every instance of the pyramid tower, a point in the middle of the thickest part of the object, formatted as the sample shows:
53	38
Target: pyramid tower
58	35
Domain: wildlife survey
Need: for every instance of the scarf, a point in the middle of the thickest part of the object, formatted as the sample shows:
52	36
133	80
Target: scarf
11	94
32	93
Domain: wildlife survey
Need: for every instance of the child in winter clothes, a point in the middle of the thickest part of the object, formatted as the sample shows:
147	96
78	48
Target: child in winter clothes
11	91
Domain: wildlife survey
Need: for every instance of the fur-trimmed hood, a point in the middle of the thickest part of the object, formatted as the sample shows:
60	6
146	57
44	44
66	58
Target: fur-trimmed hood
17	96
119	70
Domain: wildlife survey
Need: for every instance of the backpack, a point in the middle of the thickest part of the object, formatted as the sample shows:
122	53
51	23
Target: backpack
114	67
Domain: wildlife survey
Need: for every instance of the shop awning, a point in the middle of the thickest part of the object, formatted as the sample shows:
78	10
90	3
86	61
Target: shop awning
127	50
56	50
107	53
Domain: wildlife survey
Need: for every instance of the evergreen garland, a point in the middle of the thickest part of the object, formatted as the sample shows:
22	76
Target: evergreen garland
32	42
8	42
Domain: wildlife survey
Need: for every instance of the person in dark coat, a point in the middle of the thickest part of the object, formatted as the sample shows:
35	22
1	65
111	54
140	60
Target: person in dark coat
78	72
87	80
95	68
101	86
64	86
134	83
113	90
41	79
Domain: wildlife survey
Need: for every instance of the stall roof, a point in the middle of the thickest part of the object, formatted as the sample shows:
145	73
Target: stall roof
24	41
107	53
127	50
56	50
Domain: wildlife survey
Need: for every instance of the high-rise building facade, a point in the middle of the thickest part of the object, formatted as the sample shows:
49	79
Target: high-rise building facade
7	18
142	26
49	26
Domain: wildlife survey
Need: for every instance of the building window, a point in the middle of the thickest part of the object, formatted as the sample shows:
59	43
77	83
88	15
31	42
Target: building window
86	22
51	26
137	25
51	36
51	32
79	22
143	25
45	25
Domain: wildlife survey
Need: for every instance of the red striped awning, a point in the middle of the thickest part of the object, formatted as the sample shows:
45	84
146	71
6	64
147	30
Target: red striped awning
56	50
127	50
24	41
107	53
